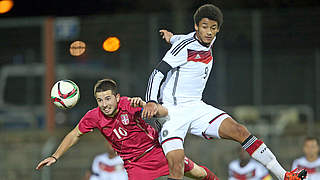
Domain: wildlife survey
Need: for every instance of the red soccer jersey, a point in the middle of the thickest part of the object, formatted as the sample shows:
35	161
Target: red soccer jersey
129	135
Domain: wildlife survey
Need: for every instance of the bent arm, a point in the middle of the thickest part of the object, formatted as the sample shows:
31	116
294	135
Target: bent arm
69	140
138	102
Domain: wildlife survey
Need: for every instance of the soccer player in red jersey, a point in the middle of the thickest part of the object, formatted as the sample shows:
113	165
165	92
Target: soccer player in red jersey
136	142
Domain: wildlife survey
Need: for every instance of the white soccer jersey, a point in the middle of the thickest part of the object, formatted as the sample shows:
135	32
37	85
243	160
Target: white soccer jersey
252	171
183	73
104	168
313	168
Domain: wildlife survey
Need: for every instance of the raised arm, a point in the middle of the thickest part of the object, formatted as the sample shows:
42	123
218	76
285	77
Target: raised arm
138	102
166	35
169	37
69	140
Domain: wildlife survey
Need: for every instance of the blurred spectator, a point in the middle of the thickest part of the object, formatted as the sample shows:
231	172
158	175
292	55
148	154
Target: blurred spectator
311	160
107	166
246	168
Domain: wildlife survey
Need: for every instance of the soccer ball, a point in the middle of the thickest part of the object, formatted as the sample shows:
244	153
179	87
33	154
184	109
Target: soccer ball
65	94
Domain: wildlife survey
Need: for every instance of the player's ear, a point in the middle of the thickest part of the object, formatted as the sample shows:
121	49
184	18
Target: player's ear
118	97
196	27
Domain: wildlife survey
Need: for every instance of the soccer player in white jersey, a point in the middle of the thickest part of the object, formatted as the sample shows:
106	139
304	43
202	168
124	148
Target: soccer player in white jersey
178	82
108	166
246	168
311	160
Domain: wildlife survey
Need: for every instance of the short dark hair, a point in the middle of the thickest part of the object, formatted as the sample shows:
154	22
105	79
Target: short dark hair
209	11
105	85
311	138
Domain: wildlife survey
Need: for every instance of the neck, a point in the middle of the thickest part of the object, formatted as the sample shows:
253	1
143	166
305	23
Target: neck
198	38
311	158
114	113
112	155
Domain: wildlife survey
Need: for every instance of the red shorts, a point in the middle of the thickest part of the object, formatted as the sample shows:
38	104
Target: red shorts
151	166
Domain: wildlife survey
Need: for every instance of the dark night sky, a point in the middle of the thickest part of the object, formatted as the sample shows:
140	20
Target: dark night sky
88	7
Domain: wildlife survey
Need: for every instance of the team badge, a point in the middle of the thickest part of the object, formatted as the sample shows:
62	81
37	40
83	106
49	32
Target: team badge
124	119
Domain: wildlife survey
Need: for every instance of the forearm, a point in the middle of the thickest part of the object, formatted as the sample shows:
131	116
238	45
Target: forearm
162	111
66	143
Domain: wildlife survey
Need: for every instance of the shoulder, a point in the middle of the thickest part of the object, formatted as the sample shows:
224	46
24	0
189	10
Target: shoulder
124	104
93	113
184	40
180	46
300	159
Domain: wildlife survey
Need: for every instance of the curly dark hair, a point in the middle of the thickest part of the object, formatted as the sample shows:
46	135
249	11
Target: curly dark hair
209	11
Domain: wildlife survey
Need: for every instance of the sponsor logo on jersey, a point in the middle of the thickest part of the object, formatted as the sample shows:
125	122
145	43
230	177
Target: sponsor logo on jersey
124	119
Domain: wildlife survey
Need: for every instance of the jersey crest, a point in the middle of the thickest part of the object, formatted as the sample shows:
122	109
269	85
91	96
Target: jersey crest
124	119
199	56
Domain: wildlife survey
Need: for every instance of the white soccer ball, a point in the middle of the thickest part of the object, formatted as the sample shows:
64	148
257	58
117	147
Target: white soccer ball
65	94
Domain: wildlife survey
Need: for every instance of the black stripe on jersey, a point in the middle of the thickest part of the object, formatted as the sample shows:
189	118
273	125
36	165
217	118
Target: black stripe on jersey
181	44
216	117
150	85
164	67
175	86
172	138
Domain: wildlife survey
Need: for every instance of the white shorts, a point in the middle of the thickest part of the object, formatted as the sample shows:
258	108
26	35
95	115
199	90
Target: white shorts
197	118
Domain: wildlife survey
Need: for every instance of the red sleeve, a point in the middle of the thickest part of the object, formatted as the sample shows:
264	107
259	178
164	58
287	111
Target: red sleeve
88	121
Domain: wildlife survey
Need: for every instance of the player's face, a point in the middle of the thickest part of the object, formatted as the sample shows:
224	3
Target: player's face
311	148
108	102
206	30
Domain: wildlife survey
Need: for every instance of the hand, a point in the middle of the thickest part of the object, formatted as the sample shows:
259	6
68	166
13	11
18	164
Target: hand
46	162
149	110
136	102
166	35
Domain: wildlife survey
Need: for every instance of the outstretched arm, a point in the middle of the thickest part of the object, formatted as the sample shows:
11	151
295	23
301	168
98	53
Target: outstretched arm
138	102
69	140
166	35
169	37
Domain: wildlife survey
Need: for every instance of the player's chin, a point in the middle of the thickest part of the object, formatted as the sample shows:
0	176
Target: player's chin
207	41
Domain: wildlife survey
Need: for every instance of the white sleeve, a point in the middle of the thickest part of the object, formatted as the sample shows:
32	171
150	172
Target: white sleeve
95	169
95	165
177	54
175	38
154	84
294	164
230	172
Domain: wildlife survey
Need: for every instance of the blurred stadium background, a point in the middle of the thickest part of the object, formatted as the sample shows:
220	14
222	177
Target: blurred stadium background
267	74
